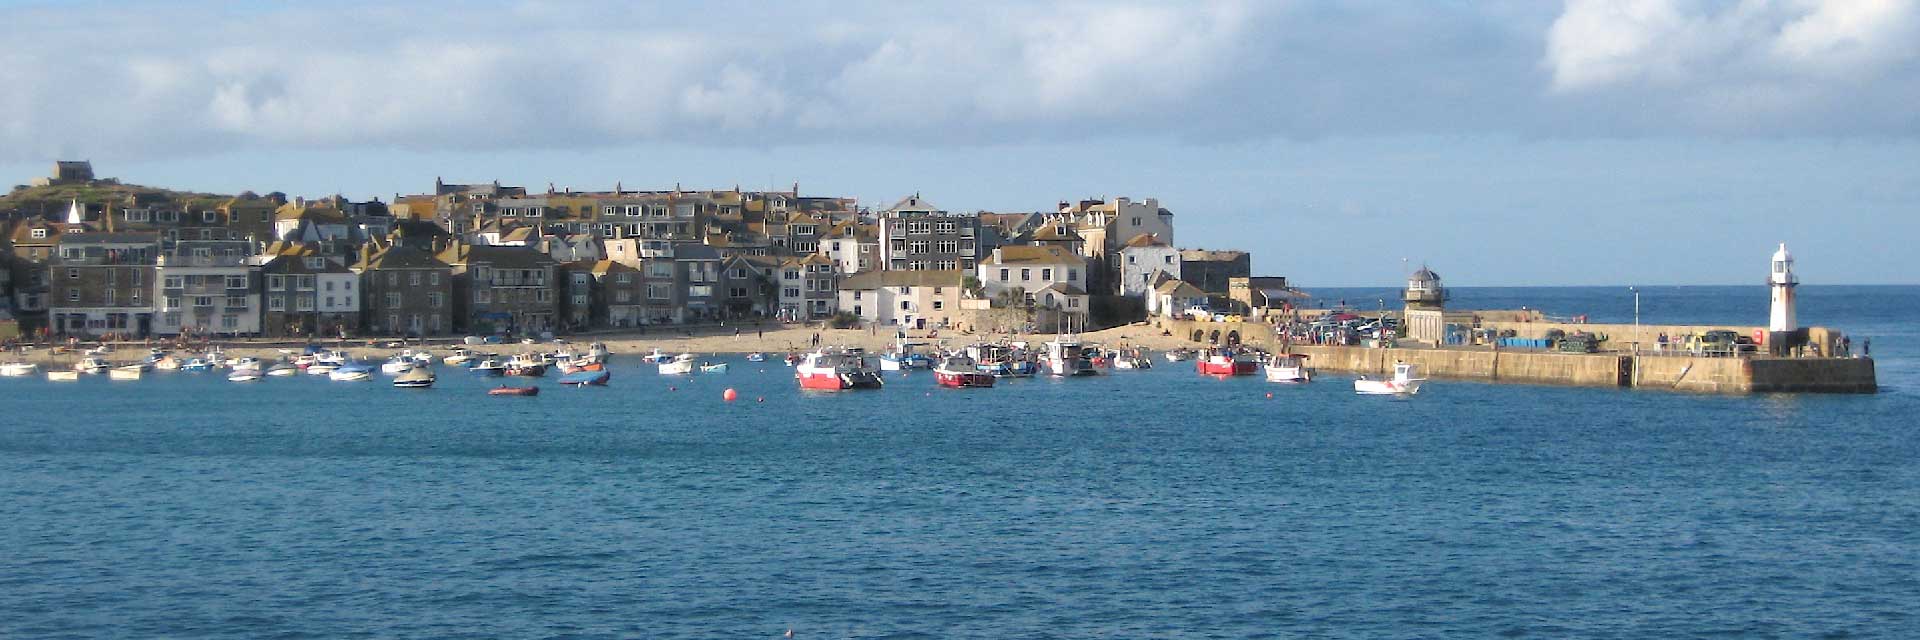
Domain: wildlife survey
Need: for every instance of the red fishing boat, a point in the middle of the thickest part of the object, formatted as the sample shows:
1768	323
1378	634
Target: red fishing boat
1221	361
834	369
960	371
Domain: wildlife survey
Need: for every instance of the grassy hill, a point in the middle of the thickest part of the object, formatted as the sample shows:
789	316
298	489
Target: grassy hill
54	198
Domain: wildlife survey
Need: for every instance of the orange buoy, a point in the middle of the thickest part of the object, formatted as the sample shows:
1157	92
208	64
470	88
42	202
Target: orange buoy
730	395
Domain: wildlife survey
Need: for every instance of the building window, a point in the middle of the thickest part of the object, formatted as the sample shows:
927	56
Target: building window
73	274
306	283
1026	274
413	278
1046	274
303	302
236	302
316	263
582	300
39	234
856	294
73	295
203	301
434	300
1074	303
109	296
1073	274
274	283
276	303
433	278
176	282
792	292
937	304
236	282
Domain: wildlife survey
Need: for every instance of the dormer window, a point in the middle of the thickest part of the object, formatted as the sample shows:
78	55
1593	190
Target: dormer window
209	217
39	234
316	263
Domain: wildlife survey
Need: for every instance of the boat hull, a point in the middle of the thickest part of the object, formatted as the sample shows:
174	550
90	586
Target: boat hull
527	371
1386	387
1236	368
839	381
962	379
596	377
514	391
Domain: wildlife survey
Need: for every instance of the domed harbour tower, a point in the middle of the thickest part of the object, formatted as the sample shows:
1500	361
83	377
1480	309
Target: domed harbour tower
1425	316
1424	290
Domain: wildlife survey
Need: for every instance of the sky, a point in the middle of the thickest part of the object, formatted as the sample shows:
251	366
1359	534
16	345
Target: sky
1501	143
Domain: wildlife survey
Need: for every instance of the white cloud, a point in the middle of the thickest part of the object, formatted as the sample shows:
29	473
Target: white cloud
148	80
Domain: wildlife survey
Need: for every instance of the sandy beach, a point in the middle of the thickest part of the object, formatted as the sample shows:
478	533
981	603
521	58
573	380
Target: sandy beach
704	340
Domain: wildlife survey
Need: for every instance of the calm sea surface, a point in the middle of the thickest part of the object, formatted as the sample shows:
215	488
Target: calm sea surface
1140	504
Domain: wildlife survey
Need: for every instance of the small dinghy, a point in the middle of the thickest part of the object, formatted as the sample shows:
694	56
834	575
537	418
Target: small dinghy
514	391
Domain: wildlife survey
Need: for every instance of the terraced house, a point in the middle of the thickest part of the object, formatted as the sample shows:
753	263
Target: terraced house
915	235
104	284
308	293
502	289
404	291
807	288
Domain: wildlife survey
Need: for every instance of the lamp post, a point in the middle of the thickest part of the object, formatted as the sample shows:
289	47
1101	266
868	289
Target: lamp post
1636	318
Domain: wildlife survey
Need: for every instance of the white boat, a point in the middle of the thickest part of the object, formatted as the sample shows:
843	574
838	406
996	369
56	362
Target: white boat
351	372
682	363
459	357
246	363
282	369
244	374
18	369
1065	357
1178	355
127	372
657	357
1403	383
57	375
415	378
397	365
319	368
1288	368
713	368
166	363
92	365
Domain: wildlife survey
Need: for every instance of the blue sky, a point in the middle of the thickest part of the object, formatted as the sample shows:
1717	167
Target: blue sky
1503	143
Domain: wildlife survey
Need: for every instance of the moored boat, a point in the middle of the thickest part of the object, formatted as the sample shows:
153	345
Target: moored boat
1288	368
458	357
18	369
1066	357
419	377
526	366
713	368
58	375
1403	383
1223	361
682	363
834	368
350	372
657	357
244	375
92	365
282	369
125	372
514	391
756	357
960	371
397	365
1178	355
489	367
595	377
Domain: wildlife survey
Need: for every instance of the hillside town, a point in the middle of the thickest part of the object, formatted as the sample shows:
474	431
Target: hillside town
108	261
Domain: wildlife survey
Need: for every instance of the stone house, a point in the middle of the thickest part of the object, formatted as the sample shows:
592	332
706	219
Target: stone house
405	291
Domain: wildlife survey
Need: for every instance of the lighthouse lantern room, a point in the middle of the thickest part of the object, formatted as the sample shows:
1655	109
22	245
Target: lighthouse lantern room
1782	281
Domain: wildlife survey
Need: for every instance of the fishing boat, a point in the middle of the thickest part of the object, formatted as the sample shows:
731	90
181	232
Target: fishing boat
833	368
713	368
244	375
1066	357
350	372
513	391
18	369
459	357
903	356
58	375
246	363
1132	359
166	363
657	357
756	357
1178	355
682	363
1404	382
282	369
92	365
490	367
397	365
1223	361
419	377
594	377
526	366
125	372
960	371
1288	368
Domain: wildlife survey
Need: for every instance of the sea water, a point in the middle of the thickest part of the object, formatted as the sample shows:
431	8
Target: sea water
1155	503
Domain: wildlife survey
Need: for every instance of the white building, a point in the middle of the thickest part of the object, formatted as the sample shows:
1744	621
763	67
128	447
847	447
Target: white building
1142	257
208	287
916	299
1782	282
1028	269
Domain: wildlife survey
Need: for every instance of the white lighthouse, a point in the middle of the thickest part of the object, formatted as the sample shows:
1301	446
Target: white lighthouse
1781	280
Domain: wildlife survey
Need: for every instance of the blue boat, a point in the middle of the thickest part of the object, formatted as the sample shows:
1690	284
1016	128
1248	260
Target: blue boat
490	367
584	378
